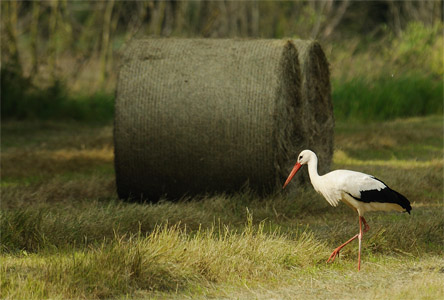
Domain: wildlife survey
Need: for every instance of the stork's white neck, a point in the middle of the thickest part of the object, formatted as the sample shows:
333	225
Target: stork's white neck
313	171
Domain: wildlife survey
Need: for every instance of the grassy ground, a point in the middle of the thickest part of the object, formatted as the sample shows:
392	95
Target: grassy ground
65	235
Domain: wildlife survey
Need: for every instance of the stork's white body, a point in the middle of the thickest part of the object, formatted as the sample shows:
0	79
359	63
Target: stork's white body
343	185
360	191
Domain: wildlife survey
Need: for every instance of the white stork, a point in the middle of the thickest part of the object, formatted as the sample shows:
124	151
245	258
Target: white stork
360	191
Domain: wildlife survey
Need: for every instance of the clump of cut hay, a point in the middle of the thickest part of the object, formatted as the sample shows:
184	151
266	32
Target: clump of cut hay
201	115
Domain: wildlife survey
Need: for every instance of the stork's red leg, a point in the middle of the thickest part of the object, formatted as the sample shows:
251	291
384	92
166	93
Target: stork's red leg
366	227
336	251
360	239
359	236
361	233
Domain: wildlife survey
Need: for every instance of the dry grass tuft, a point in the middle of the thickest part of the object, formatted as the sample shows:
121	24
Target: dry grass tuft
168	259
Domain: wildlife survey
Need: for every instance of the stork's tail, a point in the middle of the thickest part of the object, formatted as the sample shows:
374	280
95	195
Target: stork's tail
403	201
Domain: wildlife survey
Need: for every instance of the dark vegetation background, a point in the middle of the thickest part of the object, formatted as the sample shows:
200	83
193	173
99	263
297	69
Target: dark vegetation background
60	58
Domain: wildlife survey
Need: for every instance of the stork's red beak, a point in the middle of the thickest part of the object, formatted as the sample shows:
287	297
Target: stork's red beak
292	173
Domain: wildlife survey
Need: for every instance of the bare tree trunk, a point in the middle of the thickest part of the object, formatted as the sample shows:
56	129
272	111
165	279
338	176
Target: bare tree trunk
440	5
437	12
86	35
52	38
210	19
34	38
136	20
168	22
105	42
157	15
254	29
224	16
243	18
233	17
321	9
11	33
427	12
339	14
66	25
394	11
110	60
181	20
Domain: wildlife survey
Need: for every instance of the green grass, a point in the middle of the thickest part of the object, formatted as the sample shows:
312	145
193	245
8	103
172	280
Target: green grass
388	78
170	259
23	100
64	233
387	97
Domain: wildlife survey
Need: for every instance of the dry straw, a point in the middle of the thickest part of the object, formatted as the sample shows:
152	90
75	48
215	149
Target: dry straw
204	115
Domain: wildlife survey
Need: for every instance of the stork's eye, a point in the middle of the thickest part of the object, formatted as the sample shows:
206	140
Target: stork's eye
300	157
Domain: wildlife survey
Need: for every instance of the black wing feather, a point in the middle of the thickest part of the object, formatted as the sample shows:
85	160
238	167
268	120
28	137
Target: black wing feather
385	195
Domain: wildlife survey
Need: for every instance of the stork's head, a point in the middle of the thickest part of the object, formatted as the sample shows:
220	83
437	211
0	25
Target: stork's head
304	158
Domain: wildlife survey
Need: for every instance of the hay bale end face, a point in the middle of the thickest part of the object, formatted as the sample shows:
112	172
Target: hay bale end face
199	116
317	106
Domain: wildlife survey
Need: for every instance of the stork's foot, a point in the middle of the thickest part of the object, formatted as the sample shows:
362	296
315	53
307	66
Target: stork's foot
336	251
334	254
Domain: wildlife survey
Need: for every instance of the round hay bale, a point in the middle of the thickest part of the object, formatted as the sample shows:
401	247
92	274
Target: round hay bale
317	106
201	115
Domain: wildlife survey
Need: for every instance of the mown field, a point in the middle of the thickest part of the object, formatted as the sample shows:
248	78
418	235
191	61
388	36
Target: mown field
64	233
